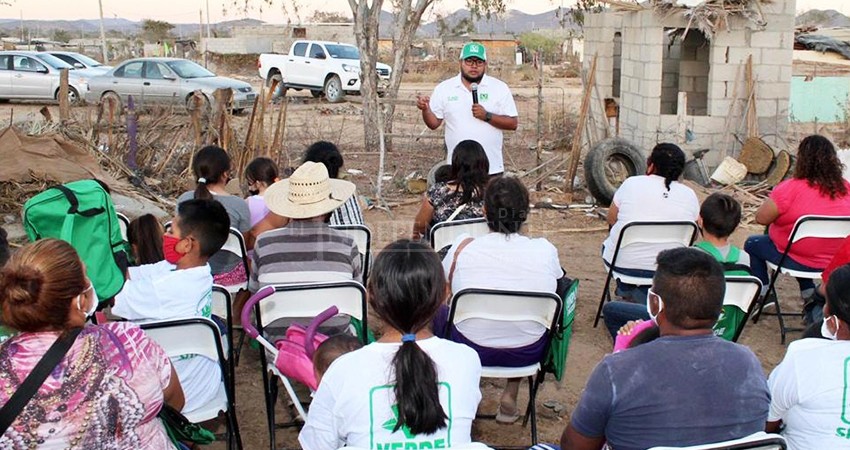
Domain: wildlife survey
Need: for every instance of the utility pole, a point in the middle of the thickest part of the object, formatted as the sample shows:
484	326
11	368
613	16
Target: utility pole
22	27
209	35
102	34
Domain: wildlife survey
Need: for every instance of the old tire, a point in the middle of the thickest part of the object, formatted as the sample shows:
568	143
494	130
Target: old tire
205	106
74	98
333	89
608	164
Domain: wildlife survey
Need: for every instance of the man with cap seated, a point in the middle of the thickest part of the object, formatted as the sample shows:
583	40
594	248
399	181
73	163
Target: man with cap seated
474	106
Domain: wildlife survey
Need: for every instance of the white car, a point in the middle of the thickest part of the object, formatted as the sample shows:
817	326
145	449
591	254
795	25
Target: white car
81	62
328	68
26	75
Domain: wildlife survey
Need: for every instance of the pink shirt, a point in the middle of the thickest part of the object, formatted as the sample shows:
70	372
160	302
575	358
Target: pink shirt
795	198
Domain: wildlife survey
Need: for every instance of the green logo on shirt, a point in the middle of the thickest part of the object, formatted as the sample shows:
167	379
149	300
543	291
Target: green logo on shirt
453	98
378	396
483	96
390	425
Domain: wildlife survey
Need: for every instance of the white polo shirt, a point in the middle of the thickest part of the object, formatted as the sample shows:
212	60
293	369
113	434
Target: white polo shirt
451	102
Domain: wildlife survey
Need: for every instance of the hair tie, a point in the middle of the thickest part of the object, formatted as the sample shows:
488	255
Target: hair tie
410	337
202	180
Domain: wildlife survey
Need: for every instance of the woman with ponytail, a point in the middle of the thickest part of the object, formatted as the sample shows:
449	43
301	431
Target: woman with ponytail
460	198
654	197
108	388
212	167
409	389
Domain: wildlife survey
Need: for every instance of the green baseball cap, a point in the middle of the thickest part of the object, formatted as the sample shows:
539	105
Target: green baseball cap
474	50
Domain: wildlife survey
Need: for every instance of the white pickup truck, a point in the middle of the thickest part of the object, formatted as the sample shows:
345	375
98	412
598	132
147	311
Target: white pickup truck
328	68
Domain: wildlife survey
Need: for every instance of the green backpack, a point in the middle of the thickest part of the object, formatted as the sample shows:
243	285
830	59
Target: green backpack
82	214
731	317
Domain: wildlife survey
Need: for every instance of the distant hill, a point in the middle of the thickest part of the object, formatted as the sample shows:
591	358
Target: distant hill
823	18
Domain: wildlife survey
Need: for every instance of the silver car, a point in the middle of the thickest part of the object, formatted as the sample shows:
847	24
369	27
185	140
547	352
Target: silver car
82	63
166	81
28	75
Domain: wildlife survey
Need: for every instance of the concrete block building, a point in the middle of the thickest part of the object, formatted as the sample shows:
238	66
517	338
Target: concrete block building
675	84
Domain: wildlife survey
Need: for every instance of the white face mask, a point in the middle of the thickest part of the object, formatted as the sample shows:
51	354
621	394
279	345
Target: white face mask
654	317
824	330
93	306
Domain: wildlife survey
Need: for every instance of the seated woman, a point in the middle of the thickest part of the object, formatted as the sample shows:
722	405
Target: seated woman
107	390
816	188
144	234
656	196
808	388
410	389
259	174
506	260
460	198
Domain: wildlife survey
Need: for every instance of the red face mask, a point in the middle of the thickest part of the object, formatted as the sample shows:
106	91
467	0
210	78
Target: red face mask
169	248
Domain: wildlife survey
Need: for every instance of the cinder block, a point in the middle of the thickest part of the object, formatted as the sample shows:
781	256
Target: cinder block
785	74
768	73
780	57
686	84
652	106
701	84
766	108
766	39
739	55
729	38
652	71
773	91
693	68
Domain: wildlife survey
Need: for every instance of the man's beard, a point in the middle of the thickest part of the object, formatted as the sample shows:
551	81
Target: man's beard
471	79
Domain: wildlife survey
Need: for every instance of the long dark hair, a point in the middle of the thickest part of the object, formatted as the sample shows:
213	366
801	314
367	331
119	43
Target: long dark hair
470	170
406	288
145	236
838	293
506	205
818	164
669	162
326	153
210	164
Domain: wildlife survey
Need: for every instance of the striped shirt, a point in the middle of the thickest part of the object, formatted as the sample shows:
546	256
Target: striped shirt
348	214
304	252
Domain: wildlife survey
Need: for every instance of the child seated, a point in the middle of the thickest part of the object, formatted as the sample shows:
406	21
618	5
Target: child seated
181	287
719	216
145	237
259	174
330	350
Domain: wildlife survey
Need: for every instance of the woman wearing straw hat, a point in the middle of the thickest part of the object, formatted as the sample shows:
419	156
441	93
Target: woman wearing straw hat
308	249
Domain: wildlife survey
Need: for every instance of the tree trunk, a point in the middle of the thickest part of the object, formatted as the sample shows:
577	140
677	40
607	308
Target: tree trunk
366	34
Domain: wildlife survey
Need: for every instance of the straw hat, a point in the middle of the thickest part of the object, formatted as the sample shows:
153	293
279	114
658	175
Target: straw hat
309	192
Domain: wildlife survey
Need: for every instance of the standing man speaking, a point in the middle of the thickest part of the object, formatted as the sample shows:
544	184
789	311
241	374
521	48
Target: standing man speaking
474	106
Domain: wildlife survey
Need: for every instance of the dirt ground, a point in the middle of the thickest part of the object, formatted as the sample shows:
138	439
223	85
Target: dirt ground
578	235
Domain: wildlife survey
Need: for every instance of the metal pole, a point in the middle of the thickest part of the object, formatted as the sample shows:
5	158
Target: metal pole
208	20
102	33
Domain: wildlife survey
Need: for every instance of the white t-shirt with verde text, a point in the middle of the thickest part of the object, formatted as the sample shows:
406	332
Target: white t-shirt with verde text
810	393
355	404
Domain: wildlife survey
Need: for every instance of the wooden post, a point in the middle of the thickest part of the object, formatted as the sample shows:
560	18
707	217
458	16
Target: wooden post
64	107
276	144
539	59
681	117
752	115
575	153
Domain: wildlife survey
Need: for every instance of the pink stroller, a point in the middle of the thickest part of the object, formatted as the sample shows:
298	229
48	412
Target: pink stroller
292	354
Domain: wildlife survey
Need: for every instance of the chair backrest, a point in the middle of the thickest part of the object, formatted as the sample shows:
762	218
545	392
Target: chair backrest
194	336
759	441
123	224
308	300
236	244
679	232
363	239
444	234
828	227
742	291
509	306
222	302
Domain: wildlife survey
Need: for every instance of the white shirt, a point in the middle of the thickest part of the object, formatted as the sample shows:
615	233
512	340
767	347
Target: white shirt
354	403
810	392
644	198
504	262
451	101
161	292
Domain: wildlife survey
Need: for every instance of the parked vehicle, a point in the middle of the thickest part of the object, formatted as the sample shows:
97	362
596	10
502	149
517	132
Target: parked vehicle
26	75
81	62
328	68
167	81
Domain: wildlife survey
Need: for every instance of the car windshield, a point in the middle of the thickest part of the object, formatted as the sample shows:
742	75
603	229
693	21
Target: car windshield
343	51
89	62
188	69
54	62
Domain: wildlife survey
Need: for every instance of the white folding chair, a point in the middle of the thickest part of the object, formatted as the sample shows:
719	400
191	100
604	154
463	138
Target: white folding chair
510	306
444	234
808	226
298	301
742	292
756	441
235	244
222	307
363	239
676	234
123	224
200	336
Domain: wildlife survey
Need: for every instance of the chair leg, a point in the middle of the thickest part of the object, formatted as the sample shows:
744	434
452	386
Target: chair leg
771	289
235	437
531	411
782	329
605	296
238	349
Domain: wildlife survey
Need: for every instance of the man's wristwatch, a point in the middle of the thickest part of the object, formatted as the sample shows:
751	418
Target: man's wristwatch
488	116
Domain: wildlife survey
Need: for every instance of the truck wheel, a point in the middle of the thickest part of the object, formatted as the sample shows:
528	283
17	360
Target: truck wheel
608	164
316	93
333	89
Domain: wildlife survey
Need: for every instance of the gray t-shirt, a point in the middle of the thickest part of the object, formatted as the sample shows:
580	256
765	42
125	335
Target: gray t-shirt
674	391
240	218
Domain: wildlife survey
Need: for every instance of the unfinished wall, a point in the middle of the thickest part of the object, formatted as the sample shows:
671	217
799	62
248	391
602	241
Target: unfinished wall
654	74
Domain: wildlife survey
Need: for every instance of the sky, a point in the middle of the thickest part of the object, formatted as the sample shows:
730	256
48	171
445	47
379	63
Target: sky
186	11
